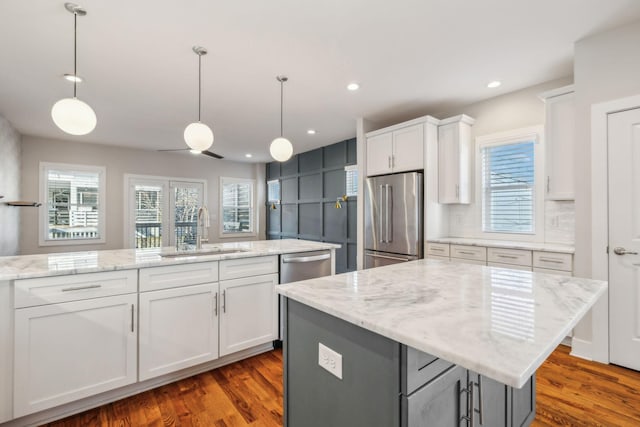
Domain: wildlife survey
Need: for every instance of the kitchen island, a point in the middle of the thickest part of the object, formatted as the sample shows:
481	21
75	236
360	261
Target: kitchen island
81	329
424	343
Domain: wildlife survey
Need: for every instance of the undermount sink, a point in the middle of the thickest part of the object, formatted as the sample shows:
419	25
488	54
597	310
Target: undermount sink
208	252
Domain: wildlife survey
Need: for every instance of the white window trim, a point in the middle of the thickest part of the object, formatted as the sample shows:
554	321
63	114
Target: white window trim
43	219
349	169
254	217
129	220
535	133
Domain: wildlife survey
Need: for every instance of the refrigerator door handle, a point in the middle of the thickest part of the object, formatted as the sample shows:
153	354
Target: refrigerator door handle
381	210
389	213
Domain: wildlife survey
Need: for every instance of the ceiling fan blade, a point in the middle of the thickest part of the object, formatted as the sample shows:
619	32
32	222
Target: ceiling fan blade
212	154
175	149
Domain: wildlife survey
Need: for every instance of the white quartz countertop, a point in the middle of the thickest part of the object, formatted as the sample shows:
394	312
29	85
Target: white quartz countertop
498	322
530	246
29	266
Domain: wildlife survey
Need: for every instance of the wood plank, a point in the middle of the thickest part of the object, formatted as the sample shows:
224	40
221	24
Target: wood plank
570	392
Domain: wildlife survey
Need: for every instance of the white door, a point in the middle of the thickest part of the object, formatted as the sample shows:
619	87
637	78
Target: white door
408	149
178	328
249	312
624	238
67	351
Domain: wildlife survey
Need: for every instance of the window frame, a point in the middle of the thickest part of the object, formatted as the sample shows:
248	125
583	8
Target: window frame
532	133
43	228
252	209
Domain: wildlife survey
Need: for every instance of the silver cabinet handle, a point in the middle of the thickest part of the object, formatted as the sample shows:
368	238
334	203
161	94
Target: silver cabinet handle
507	256
466	253
80	288
437	249
389	161
132	315
623	251
457	191
393	161
306	258
548	184
215	305
224	301
386	257
480	405
470	406
389	213
555	261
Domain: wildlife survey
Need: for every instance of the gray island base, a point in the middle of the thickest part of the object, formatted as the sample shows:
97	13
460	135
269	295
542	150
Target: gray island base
385	383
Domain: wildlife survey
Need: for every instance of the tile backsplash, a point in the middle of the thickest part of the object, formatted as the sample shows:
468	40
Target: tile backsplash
559	222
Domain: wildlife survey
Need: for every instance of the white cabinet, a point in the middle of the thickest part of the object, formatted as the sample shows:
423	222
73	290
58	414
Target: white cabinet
454	159
178	328
248	312
559	143
66	351
396	150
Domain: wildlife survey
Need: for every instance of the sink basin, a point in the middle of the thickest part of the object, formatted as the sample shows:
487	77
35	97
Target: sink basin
208	252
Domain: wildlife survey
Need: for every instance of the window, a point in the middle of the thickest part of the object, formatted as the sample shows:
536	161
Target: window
351	180
237	212
74	204
273	191
509	174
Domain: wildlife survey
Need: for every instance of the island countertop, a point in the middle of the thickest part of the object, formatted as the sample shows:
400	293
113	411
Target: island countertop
498	322
56	264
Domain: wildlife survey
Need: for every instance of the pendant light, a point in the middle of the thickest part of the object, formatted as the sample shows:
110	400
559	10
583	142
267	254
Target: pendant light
281	148
73	116
197	135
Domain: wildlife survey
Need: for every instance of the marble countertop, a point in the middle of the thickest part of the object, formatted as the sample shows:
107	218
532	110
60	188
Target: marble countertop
530	246
498	322
44	265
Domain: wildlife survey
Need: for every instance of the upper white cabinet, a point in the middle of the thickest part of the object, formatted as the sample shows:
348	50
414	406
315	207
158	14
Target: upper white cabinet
559	142
454	162
395	150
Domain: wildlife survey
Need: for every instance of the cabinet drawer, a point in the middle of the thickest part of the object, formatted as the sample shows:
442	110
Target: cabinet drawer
437	249
509	256
173	276
469	252
48	290
550	271
553	260
246	267
511	266
419	368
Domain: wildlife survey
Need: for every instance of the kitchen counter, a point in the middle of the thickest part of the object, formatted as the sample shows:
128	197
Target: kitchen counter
531	246
497	322
45	265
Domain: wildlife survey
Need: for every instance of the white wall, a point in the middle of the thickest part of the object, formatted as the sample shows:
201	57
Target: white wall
9	188
606	67
119	161
514	110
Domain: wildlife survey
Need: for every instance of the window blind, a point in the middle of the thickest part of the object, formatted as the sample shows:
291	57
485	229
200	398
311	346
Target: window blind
237	207
508	188
273	191
351	181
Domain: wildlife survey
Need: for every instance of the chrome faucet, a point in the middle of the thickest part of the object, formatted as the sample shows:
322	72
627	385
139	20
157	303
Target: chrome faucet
203	221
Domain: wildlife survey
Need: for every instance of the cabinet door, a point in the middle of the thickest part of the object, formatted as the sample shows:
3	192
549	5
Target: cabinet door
408	149
249	312
178	328
64	352
560	146
490	397
379	150
448	164
439	403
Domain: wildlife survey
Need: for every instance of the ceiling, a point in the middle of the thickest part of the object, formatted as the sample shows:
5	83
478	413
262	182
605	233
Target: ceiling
411	57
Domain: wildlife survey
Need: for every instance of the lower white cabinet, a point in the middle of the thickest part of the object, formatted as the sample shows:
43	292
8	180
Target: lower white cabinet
248	312
64	352
178	328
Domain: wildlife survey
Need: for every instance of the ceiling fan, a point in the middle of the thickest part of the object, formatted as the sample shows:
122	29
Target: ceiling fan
205	152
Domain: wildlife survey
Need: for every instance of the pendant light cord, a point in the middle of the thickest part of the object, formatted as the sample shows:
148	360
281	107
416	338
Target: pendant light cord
199	84
75	53
281	105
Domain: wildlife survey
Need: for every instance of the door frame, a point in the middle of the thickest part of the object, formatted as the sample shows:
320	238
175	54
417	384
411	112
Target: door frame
598	348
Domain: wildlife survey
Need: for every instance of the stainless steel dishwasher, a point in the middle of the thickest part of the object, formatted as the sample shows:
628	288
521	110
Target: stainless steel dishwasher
302	266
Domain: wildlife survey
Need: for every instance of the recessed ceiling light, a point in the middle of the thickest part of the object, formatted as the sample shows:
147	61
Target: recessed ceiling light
494	84
195	151
248	155
74	78
311	132
353	86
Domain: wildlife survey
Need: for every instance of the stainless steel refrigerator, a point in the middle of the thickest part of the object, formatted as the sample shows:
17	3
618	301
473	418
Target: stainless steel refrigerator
393	219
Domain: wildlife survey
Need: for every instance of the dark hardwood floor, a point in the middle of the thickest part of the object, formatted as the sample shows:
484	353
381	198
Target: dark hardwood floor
571	392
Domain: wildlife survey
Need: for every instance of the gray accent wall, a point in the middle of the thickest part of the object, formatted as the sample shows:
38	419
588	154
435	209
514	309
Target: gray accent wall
10	151
310	183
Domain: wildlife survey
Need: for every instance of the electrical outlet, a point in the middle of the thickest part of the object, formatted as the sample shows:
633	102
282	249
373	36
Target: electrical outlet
330	360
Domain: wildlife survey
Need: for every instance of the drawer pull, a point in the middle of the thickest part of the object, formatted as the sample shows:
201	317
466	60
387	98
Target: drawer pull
437	249
467	253
132	315
80	288
224	301
555	261
215	305
507	256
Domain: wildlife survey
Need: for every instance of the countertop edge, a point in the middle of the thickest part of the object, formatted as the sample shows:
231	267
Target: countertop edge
529	246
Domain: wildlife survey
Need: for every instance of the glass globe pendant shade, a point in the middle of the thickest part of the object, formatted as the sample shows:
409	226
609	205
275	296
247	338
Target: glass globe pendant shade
198	136
281	149
73	116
